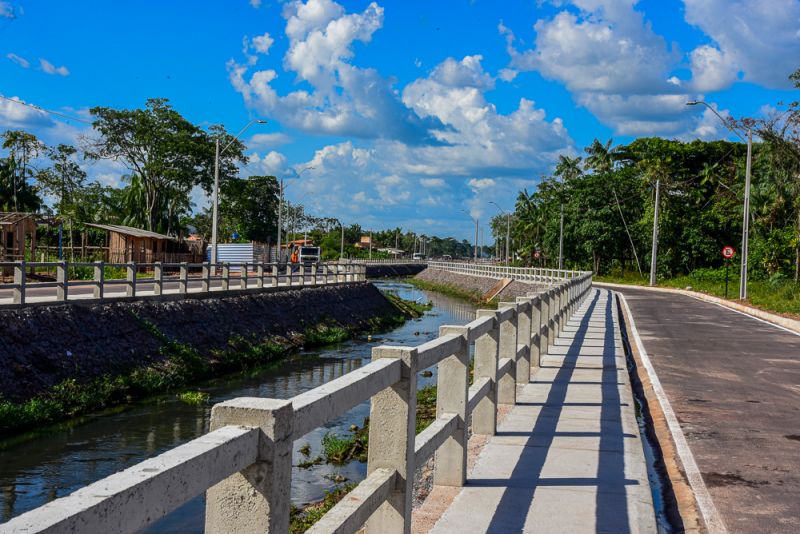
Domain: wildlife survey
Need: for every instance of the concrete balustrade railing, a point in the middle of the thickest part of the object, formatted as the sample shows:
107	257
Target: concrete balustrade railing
502	271
207	277
244	464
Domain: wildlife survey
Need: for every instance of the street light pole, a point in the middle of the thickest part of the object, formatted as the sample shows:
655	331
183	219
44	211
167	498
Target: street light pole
561	241
280	210
341	248
746	207
215	211
508	229
654	252
746	219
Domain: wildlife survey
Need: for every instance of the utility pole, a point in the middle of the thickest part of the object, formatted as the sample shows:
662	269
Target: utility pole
341	248
476	240
746	219
561	241
216	207
654	252
370	244
280	218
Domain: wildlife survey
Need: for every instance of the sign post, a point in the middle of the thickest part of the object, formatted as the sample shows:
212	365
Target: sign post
727	253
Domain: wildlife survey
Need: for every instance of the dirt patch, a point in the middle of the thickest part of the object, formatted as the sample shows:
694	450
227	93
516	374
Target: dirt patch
730	479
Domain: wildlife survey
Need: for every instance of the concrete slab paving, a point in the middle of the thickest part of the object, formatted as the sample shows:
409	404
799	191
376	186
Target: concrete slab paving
568	457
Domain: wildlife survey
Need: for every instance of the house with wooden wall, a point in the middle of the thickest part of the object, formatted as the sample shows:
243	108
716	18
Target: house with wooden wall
127	244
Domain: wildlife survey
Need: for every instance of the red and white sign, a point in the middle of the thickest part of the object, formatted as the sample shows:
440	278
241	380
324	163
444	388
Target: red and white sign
728	252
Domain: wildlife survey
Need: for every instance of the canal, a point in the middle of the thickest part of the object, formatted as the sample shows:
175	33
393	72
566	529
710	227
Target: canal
59	460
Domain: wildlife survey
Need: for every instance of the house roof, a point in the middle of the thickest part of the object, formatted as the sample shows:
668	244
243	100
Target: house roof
129	230
13	217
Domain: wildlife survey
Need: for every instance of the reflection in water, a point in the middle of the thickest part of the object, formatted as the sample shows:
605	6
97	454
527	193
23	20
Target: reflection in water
61	460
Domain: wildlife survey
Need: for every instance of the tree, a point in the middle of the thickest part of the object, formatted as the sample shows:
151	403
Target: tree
250	208
166	155
22	147
601	157
16	195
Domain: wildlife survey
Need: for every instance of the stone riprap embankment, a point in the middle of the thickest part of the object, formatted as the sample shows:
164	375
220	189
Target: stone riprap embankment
391	271
478	285
44	345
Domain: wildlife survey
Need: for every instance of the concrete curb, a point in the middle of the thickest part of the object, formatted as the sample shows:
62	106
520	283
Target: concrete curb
792	325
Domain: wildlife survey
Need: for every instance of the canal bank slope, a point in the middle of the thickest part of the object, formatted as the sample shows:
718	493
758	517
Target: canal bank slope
157	346
472	288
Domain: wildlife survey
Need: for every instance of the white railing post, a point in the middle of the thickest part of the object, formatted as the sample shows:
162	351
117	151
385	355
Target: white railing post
206	277
484	416
19	282
506	387
392	429
551	319
99	279
183	282
452	380
226	275
536	331
302	273
274	281
62	279
130	288
244	276
544	330
158	278
314	274
260	275
258	498
524	316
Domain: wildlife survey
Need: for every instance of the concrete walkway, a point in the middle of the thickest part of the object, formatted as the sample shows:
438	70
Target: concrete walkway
568	458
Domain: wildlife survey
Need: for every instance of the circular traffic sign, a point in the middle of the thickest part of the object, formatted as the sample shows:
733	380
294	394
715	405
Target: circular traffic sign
728	252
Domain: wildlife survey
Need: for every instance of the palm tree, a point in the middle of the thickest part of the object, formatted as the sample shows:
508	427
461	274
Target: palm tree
568	168
601	157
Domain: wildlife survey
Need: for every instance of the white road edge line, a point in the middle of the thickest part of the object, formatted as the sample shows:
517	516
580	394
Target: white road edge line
710	514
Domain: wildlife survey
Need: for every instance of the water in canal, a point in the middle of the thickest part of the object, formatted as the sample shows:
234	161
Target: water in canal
61	460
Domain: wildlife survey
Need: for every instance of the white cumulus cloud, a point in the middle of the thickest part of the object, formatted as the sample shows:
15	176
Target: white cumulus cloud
49	68
21	61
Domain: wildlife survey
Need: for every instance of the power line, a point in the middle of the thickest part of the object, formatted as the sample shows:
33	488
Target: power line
51	112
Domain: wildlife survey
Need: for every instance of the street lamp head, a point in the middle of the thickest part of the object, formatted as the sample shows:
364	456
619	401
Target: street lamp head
260	121
694	103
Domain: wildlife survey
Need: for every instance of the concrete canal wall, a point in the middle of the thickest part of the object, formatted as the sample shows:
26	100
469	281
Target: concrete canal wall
42	346
391	271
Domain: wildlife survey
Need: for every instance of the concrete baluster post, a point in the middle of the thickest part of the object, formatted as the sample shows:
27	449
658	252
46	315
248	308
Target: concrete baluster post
183	283
314	274
244	276
260	275
302	270
226	276
484	416
274	281
99	279
392	430
506	387
544	334
130	289
551	321
452	386
206	277
258	498
19	283
158	278
524	321
536	331
62	279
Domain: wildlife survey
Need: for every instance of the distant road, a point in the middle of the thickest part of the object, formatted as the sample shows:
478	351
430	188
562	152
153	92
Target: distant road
734	384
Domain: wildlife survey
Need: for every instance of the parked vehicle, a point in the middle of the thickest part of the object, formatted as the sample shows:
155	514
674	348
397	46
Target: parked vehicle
309	255
418	256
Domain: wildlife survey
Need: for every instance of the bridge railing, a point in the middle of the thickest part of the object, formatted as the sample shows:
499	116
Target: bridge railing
223	276
532	274
389	261
244	464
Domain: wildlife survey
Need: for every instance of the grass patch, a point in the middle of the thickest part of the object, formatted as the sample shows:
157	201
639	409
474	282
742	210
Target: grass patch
450	290
194	397
409	308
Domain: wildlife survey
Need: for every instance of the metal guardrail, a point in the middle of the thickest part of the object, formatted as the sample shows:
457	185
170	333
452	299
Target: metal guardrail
247	276
244	464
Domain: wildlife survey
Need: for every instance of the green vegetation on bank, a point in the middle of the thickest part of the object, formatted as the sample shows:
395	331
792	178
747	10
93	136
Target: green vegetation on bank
454	291
777	294
304	518
180	365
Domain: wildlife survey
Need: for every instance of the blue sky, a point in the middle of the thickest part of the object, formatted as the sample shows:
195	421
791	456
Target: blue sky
408	112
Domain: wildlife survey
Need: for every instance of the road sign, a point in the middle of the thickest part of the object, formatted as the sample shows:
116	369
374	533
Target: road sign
728	252
536	254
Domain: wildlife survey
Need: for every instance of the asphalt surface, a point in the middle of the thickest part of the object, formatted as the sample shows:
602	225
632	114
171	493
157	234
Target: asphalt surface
734	384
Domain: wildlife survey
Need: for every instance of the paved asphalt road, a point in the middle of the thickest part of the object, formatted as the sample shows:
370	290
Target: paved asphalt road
734	384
